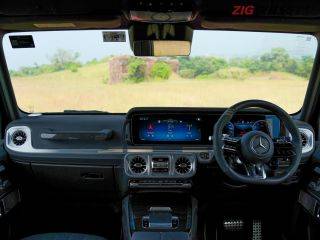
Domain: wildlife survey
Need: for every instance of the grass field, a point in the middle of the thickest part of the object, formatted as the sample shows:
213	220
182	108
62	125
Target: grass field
87	89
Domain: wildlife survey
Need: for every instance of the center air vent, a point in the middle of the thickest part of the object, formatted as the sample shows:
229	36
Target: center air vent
138	165
19	137
183	165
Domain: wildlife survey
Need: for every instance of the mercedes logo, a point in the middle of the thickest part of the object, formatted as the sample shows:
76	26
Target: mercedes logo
259	145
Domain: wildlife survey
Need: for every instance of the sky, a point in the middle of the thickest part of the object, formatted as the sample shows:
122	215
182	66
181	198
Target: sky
90	45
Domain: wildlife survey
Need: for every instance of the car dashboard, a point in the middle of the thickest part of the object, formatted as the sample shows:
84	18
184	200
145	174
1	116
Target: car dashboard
146	148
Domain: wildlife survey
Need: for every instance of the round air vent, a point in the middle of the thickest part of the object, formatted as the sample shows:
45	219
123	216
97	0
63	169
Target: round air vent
138	165
304	139
19	137
183	165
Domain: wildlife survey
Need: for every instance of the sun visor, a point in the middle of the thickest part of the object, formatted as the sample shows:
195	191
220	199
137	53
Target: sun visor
42	24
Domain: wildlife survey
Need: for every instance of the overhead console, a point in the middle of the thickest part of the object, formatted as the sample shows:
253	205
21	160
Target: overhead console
165	11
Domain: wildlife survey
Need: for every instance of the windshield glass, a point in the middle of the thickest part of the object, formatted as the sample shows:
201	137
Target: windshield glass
96	70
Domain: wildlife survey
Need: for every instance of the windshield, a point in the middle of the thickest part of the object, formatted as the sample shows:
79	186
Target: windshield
56	71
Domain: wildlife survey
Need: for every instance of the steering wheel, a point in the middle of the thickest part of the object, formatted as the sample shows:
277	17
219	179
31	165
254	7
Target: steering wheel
257	151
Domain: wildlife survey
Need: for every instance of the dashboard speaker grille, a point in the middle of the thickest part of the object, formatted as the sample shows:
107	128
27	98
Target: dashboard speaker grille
138	165
19	137
183	165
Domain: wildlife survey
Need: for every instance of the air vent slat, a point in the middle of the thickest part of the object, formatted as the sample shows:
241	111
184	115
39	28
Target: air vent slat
19	137
138	165
183	165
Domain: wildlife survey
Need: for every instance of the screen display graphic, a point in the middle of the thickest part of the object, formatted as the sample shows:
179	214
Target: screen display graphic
169	130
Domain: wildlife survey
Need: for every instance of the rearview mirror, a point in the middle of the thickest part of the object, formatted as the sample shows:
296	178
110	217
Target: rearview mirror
161	48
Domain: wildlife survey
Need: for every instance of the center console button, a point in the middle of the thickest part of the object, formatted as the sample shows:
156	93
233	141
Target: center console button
175	222
145	222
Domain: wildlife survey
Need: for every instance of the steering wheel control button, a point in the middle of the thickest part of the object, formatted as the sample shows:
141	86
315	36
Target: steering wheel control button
175	222
145	222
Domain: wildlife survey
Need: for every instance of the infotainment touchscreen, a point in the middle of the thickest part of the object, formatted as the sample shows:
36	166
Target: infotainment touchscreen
169	129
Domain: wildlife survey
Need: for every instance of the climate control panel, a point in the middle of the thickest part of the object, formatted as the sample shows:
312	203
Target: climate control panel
160	165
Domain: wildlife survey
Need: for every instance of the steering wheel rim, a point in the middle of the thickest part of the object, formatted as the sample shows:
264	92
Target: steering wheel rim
218	142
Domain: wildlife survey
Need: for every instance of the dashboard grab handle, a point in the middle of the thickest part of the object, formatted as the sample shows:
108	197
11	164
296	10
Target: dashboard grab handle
102	135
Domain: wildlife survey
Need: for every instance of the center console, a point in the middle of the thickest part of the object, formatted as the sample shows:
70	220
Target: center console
164	216
159	204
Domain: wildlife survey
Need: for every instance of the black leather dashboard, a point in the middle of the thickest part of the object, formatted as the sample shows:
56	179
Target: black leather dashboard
95	152
104	151
99	163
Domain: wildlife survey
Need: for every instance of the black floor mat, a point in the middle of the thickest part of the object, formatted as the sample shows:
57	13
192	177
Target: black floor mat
52	216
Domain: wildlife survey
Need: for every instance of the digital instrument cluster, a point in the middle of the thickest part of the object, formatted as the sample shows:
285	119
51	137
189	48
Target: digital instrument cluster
269	124
239	127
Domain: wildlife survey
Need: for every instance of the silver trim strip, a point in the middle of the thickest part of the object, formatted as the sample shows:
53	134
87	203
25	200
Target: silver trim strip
29	149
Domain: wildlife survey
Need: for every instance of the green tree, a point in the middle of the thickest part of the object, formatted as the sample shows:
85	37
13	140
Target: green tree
136	70
218	63
187	73
161	70
304	67
253	64
276	60
64	59
202	65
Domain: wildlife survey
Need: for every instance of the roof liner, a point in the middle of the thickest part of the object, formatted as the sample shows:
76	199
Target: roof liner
264	15
58	7
59	23
263	24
